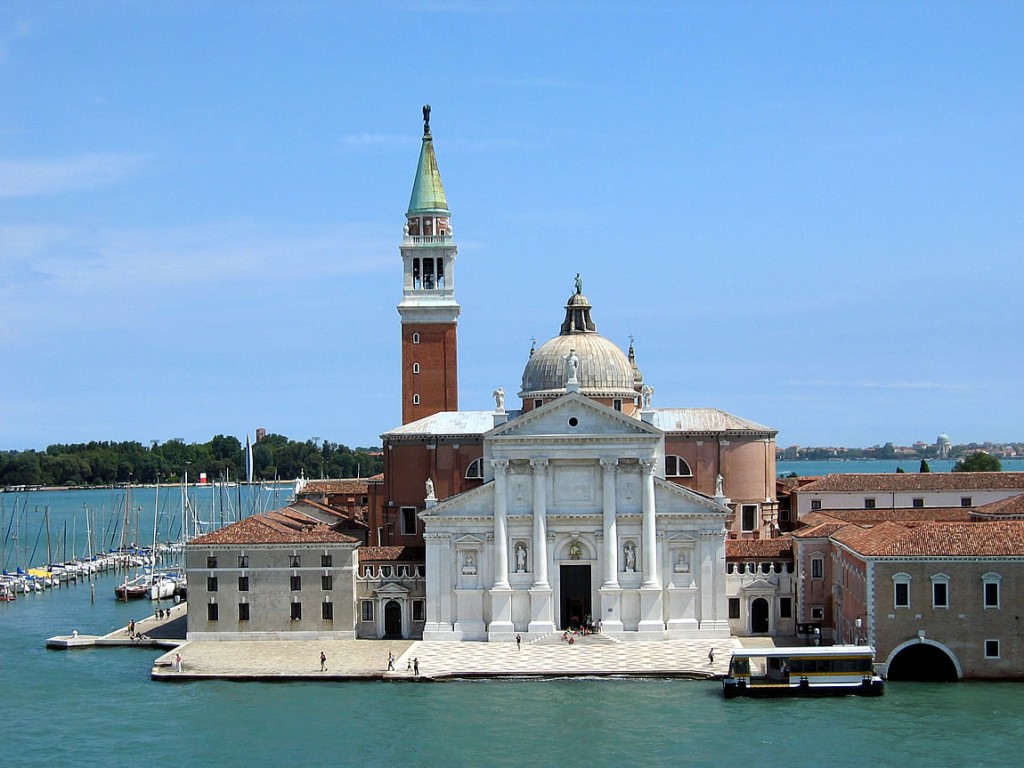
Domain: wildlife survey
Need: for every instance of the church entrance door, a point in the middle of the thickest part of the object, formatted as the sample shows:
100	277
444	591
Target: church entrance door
759	615
574	588
392	619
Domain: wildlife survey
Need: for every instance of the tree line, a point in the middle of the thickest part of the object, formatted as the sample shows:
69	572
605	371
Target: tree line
221	458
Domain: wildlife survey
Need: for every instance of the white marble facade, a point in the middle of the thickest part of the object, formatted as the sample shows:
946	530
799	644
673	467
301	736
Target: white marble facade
575	523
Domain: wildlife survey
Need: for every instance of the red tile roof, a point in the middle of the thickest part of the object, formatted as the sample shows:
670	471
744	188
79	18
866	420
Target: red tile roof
391	554
917	481
1011	507
283	526
781	547
1004	538
902	514
353	485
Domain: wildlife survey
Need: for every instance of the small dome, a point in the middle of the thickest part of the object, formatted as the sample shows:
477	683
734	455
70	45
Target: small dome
604	370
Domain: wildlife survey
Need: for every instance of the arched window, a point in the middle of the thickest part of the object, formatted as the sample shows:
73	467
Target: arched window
475	471
676	466
415	367
415	338
415	399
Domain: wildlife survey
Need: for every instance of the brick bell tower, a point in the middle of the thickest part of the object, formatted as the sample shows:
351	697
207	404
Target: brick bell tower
428	308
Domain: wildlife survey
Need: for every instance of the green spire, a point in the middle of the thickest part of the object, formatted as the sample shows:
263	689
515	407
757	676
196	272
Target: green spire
427	190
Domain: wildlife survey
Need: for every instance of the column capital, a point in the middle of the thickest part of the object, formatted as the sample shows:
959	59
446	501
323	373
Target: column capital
609	466
500	466
539	465
648	466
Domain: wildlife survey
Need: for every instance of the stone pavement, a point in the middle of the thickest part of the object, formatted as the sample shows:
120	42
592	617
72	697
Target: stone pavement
367	659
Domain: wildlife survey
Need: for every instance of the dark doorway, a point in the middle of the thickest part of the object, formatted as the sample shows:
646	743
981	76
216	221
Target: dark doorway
924	663
392	619
574	587
759	615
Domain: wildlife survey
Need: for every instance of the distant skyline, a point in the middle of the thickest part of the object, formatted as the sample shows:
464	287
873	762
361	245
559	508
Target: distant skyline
809	215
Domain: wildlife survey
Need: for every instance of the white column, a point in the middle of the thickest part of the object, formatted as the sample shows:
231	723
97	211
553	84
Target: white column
650	541
540	523
500	467
611	538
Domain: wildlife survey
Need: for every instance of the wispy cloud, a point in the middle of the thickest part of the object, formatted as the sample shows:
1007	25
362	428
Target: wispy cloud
28	178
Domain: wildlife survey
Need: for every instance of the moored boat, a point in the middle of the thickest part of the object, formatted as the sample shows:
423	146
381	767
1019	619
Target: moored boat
836	670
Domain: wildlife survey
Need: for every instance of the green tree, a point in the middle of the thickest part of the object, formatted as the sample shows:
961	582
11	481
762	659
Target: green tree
900	470
978	462
924	466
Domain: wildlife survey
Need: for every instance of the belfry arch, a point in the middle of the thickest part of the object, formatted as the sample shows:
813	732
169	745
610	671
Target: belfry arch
923	660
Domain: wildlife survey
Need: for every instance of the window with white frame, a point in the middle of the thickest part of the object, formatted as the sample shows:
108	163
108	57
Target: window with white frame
415	399
817	612
918	503
475	471
991	649
990	583
817	567
940	591
966	501
415	338
676	466
901	590
815	503
869	503
415	367
366	610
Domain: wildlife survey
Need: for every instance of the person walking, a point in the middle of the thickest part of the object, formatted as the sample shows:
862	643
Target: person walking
323	661
177	662
416	667
391	662
711	656
519	642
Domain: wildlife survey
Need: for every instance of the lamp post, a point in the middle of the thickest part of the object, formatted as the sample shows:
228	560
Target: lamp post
857	623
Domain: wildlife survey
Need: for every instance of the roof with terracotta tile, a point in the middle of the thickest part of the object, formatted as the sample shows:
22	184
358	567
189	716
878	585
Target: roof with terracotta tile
351	485
1010	507
392	554
902	514
1003	538
779	547
821	530
916	481
282	526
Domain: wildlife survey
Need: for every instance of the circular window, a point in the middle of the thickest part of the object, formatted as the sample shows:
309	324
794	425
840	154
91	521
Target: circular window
573	421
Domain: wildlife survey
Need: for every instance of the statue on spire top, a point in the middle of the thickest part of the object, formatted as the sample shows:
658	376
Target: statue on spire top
426	119
579	283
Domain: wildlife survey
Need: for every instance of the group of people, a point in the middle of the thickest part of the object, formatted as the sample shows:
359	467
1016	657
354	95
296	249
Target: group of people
412	665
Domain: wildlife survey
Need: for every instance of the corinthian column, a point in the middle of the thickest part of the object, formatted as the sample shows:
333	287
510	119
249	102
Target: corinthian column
540	523
649	539
611	538
500	467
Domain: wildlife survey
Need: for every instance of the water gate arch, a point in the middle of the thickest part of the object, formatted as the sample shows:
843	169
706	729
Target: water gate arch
923	660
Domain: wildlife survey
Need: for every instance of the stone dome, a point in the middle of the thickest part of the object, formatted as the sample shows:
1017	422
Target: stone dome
604	369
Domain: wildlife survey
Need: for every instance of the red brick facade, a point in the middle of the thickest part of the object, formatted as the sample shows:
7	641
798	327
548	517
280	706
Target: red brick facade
429	370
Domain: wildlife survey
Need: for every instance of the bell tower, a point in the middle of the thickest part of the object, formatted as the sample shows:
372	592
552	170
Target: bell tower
428	308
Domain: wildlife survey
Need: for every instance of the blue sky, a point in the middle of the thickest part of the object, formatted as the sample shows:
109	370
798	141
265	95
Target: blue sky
808	214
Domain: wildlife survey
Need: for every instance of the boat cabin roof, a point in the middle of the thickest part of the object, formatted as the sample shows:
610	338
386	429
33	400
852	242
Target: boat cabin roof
808	651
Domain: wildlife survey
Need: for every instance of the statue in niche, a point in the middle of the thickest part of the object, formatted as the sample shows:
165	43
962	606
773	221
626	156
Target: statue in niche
719	485
499	399
430	488
469	566
572	367
647	392
520	558
681	565
575	551
630	556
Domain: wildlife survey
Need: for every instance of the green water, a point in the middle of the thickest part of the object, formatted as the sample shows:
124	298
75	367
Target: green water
98	707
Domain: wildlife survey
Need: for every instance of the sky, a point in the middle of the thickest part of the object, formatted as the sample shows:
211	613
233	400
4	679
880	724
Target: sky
810	215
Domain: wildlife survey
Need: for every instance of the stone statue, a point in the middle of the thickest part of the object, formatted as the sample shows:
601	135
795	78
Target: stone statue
426	119
572	367
469	567
630	552
579	283
647	392
681	565
521	558
719	486
430	488
499	399
575	551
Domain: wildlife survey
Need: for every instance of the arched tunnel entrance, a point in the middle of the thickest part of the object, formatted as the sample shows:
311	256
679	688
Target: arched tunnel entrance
923	662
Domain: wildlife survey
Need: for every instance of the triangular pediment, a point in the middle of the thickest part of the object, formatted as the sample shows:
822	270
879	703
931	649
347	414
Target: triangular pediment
573	415
669	495
391	589
476	502
469	540
759	586
680	539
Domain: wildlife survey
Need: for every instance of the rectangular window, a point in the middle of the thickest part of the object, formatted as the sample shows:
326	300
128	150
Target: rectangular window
408	521
749	514
815	503
991	594
965	501
326	583
538	403
326	561
869	503
243	583
785	607
211	583
783	515
296	611
734	607
992	649
243	611
327	611
940	594
419	610
296	561
902	594
817	612
817	568
918	503
212	612
243	561
211	562
296	583
366	610
617	405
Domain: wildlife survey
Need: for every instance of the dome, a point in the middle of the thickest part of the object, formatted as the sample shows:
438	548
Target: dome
604	369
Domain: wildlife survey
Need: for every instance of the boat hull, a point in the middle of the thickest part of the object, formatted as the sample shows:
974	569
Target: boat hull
733	689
